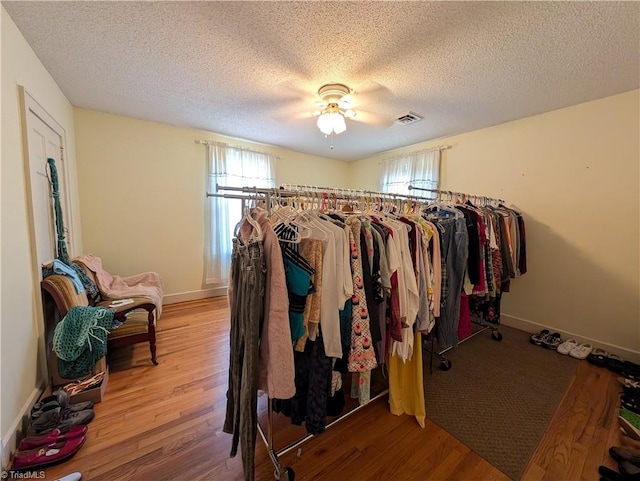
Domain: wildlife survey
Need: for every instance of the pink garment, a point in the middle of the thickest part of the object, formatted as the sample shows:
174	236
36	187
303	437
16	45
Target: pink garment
147	284
276	369
464	325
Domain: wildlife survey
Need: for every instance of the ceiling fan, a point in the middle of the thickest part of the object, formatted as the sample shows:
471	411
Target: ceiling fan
337	101
334	107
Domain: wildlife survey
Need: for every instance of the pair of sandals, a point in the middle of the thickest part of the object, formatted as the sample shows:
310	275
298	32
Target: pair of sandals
77	387
545	339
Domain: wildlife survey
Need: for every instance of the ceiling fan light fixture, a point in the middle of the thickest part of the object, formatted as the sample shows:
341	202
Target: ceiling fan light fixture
331	122
331	119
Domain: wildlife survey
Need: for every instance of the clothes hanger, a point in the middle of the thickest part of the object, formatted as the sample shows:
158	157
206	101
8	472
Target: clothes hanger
436	207
290	218
256	233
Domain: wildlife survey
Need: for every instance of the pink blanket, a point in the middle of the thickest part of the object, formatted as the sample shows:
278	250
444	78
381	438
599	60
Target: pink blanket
147	284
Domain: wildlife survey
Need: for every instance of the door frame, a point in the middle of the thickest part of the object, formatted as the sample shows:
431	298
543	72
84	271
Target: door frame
28	104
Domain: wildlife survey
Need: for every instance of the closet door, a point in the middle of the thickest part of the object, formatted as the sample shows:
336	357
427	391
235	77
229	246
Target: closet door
44	139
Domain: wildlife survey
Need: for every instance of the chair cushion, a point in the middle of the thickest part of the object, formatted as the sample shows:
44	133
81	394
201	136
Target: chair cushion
137	323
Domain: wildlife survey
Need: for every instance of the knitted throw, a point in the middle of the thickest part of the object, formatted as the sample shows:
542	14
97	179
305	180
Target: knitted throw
80	339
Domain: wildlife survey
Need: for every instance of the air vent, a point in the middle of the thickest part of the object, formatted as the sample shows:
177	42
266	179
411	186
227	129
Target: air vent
410	118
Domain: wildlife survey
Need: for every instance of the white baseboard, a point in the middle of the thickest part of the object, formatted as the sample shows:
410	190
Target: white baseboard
530	326
194	295
9	438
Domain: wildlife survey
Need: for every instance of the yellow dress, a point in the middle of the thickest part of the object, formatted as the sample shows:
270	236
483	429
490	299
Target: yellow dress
406	391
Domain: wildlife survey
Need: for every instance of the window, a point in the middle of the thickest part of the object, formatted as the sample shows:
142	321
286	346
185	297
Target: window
419	169
231	167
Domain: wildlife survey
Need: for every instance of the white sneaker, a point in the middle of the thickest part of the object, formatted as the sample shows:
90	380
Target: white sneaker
567	346
71	477
582	351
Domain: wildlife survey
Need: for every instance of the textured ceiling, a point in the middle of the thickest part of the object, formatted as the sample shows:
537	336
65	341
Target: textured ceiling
252	69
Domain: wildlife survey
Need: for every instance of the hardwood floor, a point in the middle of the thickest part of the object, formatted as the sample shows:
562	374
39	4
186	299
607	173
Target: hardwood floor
165	423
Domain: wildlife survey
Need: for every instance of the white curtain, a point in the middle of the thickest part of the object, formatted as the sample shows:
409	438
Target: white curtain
231	167
419	169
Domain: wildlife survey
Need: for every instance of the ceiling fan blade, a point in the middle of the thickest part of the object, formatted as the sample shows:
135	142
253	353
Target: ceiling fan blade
370	118
292	89
293	116
345	103
372	92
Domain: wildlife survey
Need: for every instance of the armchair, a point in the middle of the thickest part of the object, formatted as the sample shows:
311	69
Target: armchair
59	295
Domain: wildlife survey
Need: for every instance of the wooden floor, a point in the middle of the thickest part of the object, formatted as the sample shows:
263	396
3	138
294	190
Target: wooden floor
165	423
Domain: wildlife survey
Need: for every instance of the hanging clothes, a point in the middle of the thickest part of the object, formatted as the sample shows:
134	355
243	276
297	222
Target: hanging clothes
358	291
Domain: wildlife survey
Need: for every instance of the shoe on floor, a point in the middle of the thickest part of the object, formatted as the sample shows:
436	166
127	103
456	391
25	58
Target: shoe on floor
631	375
630	403
71	477
567	346
552	341
43	422
609	474
47	455
539	337
54	436
630	423
615	363
598	357
58	398
629	470
628	383
631	366
623	454
581	351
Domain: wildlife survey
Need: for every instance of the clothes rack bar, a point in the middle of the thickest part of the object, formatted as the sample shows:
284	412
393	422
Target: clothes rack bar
452	193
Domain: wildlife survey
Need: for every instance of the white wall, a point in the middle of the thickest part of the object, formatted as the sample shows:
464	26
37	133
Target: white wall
574	174
142	190
19	321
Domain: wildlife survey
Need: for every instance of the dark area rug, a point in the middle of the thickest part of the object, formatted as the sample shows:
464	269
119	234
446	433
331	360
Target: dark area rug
498	397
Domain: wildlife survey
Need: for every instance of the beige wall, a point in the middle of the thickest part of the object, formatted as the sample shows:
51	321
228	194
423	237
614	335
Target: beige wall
142	191
574	174
19	321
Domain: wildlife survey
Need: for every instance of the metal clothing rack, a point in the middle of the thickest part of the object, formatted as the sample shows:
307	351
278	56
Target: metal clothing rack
282	472
326	194
445	364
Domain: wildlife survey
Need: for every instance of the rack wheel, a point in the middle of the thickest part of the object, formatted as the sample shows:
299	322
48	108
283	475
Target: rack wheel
496	336
445	365
288	474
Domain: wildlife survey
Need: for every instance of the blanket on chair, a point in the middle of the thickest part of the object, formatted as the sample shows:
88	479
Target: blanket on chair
147	284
